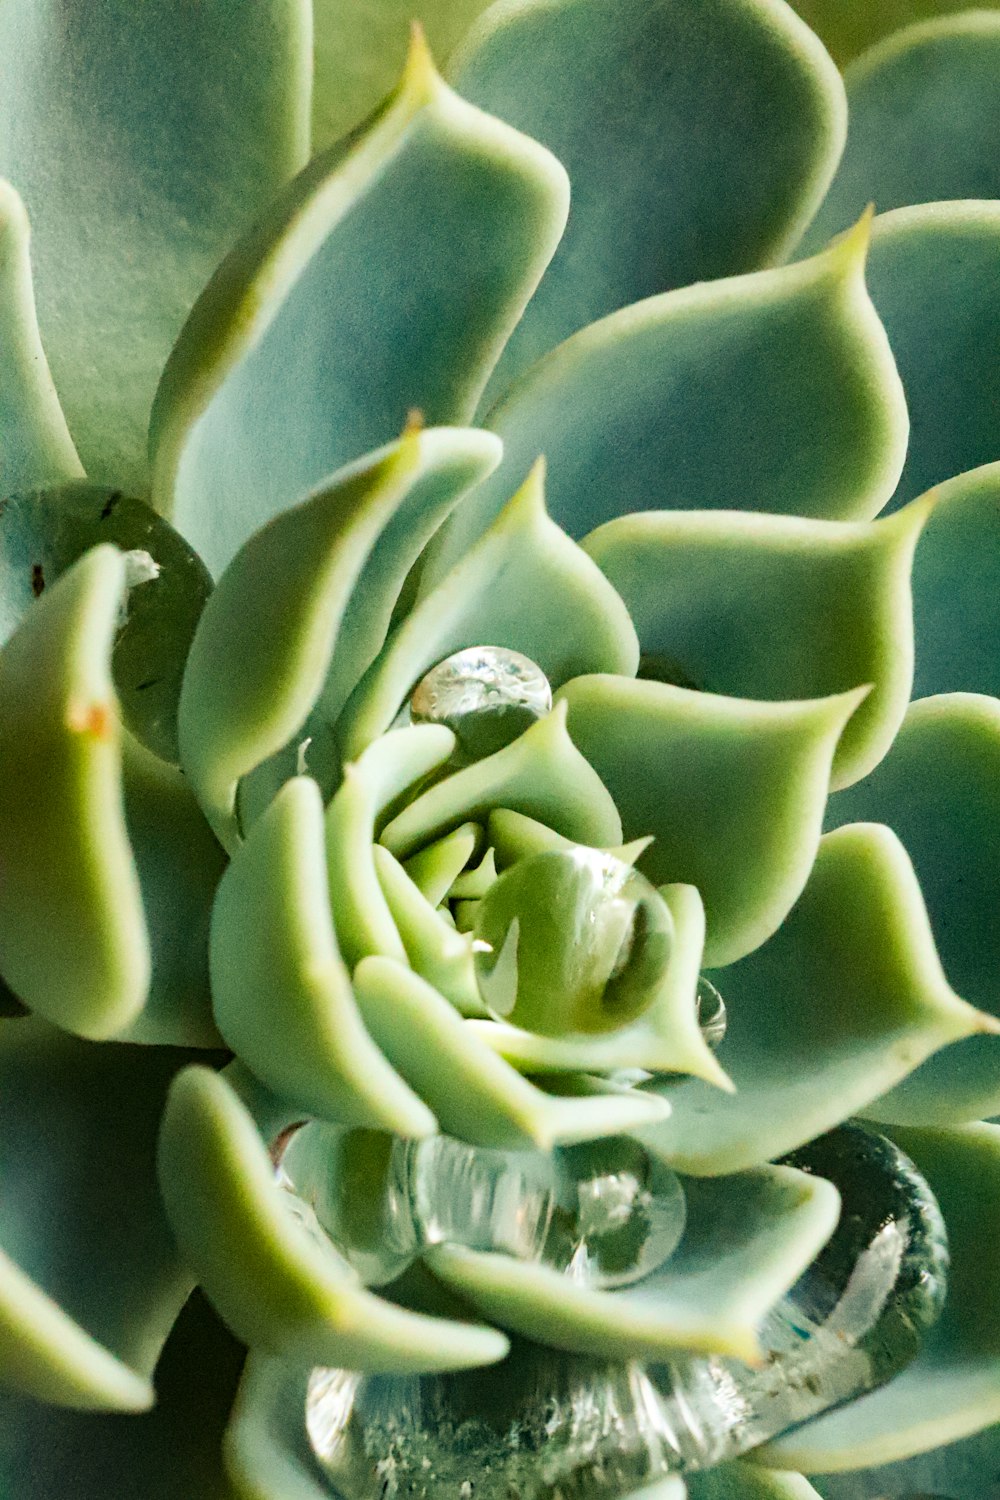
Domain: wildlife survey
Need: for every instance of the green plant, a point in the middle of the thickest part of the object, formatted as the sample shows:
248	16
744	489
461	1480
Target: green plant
234	899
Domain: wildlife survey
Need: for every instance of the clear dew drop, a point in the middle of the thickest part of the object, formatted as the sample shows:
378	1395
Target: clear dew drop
487	696
571	940
605	1213
712	1017
545	1425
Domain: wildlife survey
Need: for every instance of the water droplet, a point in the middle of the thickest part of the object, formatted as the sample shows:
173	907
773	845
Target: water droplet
571	940
487	695
712	1016
605	1213
545	1423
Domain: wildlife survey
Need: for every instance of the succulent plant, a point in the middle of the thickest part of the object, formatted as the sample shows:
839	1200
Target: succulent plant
456	631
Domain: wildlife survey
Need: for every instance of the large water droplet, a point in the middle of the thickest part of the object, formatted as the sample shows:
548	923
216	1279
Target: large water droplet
605	1213
573	940
544	1424
487	695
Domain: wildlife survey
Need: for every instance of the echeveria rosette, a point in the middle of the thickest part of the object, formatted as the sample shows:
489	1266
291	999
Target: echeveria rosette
212	836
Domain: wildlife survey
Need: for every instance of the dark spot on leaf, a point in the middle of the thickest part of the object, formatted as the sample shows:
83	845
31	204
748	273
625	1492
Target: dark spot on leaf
37	579
149	682
110	504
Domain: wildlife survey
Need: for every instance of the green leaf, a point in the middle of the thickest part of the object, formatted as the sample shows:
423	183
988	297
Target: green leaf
771	607
170	1453
371	784
475	1094
952	1388
848	29
525	586
746	1241
773	392
141	153
435	869
45	531
360	48
939	789
83	1312
179	864
272	1282
732	790
73	941
932	274
281	991
844	1000
956	580
746	1481
267	650
267	1451
35	445
923	113
699	142
541	773
433	228
434	949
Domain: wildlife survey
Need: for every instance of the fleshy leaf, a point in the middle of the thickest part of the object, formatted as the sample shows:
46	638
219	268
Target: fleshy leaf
848	29
269	1278
267	640
73	941
281	991
775	392
179	863
952	1388
524	586
747	1239
699	141
844	1000
141	153
434	949
771	607
35	445
956	582
939	789
43	532
360	49
171	1452
371	784
932	273
435	869
732	790
433	228
747	1481
267	1451
85	1307
541	773
474	1093
665	1039
923	111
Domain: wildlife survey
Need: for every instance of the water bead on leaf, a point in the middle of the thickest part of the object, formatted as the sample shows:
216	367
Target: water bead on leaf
544	1422
712	1017
571	941
486	695
605	1213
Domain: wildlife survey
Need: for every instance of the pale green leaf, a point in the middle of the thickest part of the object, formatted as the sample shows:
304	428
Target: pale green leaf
732	790
525	586
774	607
699	141
387	278
35	445
775	392
141	152
846	998
270	1279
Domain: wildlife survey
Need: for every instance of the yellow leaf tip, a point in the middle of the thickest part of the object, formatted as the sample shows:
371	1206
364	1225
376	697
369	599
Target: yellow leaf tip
420	76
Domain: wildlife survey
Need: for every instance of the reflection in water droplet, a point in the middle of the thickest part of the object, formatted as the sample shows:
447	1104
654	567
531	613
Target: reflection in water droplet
712	1016
605	1213
487	695
573	940
545	1424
